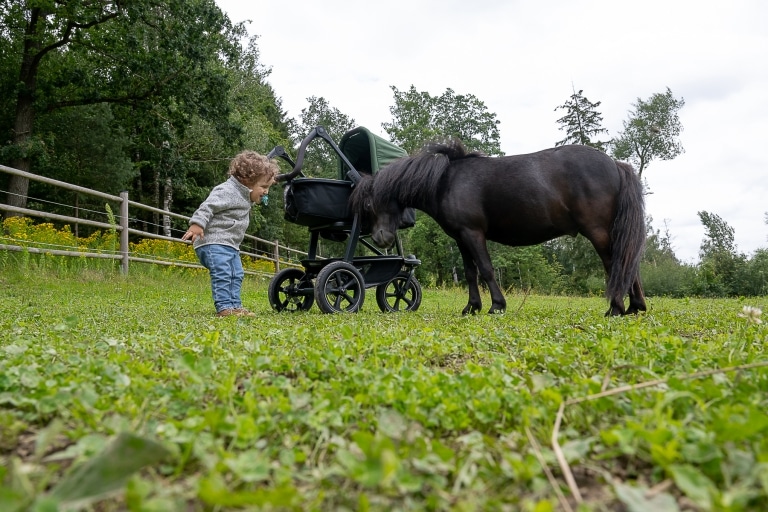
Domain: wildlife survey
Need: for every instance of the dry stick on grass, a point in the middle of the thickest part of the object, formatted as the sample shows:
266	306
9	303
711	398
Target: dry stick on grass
566	469
552	480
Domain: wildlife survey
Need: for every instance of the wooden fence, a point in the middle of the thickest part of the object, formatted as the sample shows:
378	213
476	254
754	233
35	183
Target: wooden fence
278	255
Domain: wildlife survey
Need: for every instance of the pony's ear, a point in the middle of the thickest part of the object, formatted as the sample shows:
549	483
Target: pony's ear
360	199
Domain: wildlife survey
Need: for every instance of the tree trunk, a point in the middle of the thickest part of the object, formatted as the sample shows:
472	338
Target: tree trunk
18	186
156	201
167	200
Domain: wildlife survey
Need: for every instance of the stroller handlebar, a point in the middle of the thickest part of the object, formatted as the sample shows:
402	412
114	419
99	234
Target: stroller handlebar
316	132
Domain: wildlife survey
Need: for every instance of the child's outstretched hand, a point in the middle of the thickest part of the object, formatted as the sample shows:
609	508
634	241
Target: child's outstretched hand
193	233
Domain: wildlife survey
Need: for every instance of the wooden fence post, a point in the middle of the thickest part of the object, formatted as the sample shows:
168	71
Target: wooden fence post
124	230
277	256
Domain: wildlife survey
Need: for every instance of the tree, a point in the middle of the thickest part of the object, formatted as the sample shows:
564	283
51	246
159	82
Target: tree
752	280
663	274
92	156
525	268
719	236
579	263
257	117
651	131
720	261
419	118
254	107
581	122
84	53
321	160
441	260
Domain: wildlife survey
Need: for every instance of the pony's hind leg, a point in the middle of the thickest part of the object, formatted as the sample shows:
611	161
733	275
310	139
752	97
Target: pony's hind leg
636	297
601	241
474	250
615	302
616	307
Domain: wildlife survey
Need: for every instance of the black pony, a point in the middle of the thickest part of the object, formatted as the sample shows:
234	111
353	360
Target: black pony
516	200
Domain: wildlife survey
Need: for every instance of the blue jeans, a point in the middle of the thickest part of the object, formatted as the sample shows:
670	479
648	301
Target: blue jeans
226	269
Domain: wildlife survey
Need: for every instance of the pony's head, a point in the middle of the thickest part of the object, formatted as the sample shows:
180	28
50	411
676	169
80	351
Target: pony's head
403	184
378	210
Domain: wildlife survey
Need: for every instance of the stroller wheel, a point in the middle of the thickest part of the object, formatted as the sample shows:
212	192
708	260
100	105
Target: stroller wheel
339	287
289	292
401	293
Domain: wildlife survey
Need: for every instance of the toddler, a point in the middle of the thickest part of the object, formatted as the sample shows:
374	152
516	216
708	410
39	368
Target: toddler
218	227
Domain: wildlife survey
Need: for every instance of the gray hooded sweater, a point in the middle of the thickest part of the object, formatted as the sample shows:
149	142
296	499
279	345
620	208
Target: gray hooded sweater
224	215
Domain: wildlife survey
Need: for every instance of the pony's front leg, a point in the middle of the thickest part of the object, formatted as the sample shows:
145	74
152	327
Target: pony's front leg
477	251
475	303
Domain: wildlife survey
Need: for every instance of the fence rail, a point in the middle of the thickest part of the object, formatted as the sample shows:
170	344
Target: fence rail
122	226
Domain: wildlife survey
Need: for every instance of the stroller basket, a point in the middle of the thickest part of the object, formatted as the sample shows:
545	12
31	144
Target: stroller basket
314	202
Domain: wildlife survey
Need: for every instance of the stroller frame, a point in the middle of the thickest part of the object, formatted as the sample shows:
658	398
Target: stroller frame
338	284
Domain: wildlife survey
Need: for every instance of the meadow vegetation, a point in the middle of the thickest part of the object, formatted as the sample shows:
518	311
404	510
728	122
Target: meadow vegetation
125	393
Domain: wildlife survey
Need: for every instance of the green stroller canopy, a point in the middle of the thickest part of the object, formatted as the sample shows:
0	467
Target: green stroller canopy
366	151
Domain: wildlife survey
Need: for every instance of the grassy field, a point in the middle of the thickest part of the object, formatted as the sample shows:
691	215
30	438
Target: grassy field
127	394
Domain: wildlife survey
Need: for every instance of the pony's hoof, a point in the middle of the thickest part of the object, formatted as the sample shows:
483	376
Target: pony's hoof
497	311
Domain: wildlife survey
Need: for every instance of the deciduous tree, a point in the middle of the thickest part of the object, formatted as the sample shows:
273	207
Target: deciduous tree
137	54
651	131
419	117
720	261
321	160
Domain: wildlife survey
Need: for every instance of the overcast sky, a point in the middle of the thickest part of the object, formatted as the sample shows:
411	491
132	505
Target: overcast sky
524	58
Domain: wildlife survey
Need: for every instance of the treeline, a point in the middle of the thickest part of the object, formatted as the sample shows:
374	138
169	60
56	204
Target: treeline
156	97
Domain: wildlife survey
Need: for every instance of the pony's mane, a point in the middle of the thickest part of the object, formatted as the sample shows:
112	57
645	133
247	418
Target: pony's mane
411	180
415	180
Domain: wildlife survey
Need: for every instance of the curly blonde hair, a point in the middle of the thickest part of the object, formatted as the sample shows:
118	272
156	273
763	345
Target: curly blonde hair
249	166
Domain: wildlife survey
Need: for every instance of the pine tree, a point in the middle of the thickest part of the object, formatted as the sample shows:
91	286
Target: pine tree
582	122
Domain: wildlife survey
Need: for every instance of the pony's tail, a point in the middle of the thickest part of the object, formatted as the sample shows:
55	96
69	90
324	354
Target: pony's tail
628	234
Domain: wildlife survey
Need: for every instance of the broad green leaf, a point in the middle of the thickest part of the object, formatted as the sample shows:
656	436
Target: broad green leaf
214	491
12	499
577	449
738	423
636	501
694	484
47	436
250	466
109	470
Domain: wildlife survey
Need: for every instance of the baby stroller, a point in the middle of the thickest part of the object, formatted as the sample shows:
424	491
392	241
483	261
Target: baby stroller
338	284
